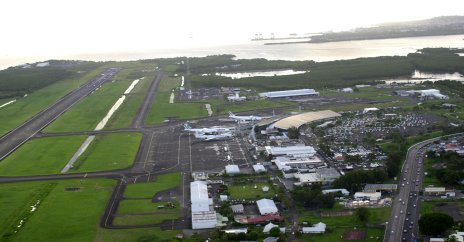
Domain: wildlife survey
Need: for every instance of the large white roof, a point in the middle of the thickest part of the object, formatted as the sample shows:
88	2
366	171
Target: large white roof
289	93
300	119
266	206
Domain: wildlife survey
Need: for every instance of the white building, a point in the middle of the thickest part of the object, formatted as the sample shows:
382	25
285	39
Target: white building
232	169
458	235
203	216
290	93
366	110
342	190
291	151
428	93
347	90
371	196
286	163
266	206
318	228
258	168
307	178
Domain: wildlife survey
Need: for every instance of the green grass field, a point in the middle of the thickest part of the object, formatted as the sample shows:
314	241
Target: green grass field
15	200
24	108
49	155
250	192
41	156
109	152
136	235
148	190
161	109
138	201
86	114
338	224
124	116
64	215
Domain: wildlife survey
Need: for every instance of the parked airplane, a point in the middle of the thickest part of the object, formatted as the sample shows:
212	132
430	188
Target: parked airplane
244	118
207	131
211	137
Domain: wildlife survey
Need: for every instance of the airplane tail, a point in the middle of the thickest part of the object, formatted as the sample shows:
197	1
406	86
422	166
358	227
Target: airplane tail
231	114
187	126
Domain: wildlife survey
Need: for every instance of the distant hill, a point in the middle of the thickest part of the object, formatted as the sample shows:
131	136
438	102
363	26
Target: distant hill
446	25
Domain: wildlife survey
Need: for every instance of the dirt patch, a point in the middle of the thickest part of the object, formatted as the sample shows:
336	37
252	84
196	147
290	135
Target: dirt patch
452	209
354	235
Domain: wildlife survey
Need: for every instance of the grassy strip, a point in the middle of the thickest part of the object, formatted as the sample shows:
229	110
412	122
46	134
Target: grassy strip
143	219
41	156
86	114
145	206
68	215
109	152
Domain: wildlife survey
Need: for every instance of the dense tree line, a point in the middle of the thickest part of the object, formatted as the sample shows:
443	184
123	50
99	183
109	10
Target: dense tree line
435	223
354	181
312	197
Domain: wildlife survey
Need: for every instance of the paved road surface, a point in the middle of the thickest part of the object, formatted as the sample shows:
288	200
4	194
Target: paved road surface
15	138
143	111
403	223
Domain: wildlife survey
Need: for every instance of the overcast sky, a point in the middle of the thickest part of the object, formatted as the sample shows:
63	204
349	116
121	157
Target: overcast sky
57	28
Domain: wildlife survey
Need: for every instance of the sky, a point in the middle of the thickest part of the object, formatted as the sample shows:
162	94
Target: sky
56	28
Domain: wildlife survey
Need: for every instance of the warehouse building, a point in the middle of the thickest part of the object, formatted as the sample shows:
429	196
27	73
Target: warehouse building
266	206
203	215
296	151
290	93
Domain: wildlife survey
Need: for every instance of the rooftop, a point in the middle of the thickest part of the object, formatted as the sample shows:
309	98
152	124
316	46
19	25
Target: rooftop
300	119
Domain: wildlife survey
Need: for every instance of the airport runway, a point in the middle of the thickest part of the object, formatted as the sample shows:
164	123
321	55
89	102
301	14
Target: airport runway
15	138
145	107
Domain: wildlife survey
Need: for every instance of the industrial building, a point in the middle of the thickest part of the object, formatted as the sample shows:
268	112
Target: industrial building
287	163
289	93
258	168
318	228
323	176
203	215
341	190
266	206
422	94
298	120
232	170
296	151
371	196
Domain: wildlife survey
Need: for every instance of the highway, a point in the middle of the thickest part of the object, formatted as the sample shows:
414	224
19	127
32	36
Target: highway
15	138
403	223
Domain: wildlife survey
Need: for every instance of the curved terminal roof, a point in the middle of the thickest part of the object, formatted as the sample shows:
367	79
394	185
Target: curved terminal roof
303	118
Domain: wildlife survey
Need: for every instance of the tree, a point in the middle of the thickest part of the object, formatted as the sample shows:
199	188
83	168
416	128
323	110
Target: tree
452	238
293	133
363	214
274	232
435	223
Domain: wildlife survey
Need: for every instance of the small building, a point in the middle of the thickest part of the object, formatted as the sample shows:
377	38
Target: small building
237	208
342	190
270	226
347	90
266	206
371	196
307	178
232	169
458	235
258	168
434	191
318	228
236	231
223	198
367	110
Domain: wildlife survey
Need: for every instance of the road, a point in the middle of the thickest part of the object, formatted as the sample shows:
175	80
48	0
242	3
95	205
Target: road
15	138
403	223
